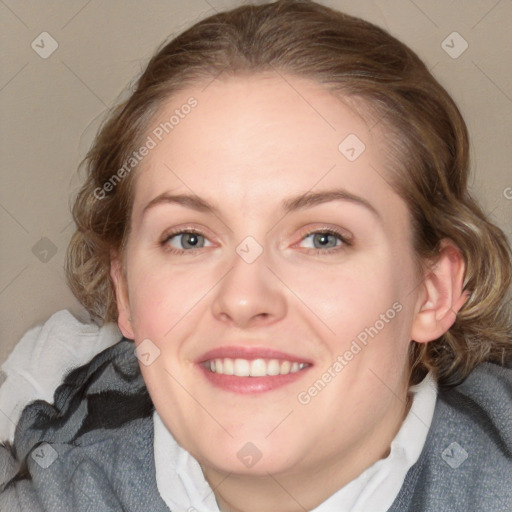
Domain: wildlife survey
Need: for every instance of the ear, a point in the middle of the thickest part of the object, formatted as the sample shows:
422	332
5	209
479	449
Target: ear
442	295
124	320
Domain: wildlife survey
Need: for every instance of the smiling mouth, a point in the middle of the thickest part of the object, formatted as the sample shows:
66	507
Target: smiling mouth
254	367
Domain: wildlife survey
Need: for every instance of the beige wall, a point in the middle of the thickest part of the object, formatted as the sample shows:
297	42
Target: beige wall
51	108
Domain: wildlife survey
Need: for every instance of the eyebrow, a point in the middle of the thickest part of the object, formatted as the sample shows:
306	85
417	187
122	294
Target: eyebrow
300	202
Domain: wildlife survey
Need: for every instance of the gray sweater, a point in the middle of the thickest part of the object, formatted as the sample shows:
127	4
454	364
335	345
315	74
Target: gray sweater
92	450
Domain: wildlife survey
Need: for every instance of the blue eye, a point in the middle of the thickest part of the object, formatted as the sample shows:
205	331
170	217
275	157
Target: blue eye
182	241
326	240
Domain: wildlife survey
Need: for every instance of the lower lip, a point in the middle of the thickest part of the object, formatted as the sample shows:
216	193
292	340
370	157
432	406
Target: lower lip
248	385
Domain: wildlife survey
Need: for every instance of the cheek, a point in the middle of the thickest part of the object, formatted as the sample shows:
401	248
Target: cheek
146	301
161	294
367	309
349	296
146	292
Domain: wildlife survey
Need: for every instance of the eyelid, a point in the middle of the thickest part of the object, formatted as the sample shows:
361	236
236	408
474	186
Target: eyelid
179	230
327	228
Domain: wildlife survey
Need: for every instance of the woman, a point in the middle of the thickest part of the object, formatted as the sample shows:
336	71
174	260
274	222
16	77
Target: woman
279	222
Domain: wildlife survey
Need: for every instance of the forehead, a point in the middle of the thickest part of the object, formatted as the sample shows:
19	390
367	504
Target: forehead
251	141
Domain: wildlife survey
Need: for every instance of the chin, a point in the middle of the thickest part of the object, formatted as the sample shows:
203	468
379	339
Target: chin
248	458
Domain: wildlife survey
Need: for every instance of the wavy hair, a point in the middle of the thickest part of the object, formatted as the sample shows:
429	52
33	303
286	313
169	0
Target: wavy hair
428	158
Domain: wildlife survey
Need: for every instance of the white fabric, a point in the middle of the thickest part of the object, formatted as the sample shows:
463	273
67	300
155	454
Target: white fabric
45	353
182	485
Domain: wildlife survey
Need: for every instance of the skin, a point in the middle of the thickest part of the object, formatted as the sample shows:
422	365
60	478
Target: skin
250	143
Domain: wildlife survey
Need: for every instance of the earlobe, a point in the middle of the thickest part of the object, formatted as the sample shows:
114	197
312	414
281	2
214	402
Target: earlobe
118	277
443	296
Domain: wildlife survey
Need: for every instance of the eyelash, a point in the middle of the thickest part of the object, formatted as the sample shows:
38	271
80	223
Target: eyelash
346	242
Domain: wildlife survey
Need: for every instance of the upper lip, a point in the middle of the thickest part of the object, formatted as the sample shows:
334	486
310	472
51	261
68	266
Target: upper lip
250	353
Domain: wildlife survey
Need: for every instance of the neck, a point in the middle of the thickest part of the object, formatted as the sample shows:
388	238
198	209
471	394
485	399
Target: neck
305	487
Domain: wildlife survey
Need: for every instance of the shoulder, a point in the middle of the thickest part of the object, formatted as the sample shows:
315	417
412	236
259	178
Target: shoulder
482	404
490	385
40	359
466	463
97	435
104	469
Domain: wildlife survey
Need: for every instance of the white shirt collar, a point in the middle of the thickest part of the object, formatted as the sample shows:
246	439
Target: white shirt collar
183	488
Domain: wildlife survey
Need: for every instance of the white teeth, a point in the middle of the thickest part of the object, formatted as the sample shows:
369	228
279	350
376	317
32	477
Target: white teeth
254	367
242	368
273	367
229	367
258	368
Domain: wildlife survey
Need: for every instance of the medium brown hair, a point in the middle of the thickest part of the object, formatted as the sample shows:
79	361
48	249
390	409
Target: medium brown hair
428	158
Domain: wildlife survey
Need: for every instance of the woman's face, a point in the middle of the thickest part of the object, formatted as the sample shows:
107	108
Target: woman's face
264	234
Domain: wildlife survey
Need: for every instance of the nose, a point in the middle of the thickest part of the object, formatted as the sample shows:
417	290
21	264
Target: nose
249	295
